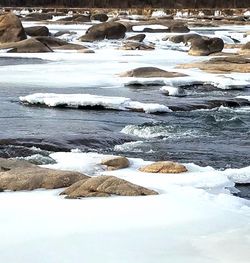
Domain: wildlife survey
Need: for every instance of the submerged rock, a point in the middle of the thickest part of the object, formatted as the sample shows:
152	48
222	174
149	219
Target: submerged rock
151	72
11	29
104	186
164	167
116	162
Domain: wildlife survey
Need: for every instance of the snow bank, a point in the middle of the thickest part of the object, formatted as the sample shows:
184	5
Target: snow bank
175	225
87	100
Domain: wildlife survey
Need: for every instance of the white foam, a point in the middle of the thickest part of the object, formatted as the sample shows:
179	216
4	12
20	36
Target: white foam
173	91
85	100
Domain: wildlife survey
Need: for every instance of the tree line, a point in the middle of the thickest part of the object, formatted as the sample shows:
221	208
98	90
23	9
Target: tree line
129	3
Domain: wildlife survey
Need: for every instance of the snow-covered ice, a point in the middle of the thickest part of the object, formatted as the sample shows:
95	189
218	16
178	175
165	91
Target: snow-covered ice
87	100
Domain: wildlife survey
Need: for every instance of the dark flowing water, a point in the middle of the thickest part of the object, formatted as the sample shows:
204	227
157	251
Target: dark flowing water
219	137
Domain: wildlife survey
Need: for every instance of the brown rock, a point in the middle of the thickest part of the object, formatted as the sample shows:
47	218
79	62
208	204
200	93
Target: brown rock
164	167
75	18
179	29
35	31
99	17
138	38
132	45
116	162
205	47
183	38
30	45
11	29
109	30
52	42
8	164
105	186
34	177
150	72
71	47
38	16
222	65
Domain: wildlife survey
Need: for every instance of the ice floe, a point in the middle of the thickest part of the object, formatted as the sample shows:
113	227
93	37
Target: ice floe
87	100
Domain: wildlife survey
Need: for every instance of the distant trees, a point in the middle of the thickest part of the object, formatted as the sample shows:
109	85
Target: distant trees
131	3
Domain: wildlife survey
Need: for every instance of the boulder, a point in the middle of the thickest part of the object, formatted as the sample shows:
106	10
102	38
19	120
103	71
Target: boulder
186	38
104	186
245	49
34	177
150	72
116	162
38	16
35	31
222	65
205	47
137	38
8	164
52	42
109	30
30	45
178	29
132	45
164	167
11	29
246	46
71	46
75	18
99	17
64	32
153	30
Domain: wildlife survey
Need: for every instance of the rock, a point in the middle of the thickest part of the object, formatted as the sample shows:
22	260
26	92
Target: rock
30	178
131	45
11	29
35	31
70	46
8	164
245	48
138	38
30	45
103	186
153	30
150	72
99	17
116	162
64	32
75	18
52	42
186	38
38	16
222	65
109	30
164	167
205	47
178	29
